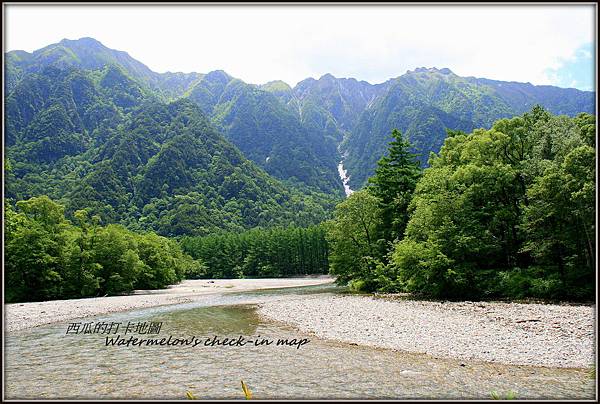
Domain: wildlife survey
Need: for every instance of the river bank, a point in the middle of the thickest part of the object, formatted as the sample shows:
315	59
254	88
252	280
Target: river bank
18	316
509	333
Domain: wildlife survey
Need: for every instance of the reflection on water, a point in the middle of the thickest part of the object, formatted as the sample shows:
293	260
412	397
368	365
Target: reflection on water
45	363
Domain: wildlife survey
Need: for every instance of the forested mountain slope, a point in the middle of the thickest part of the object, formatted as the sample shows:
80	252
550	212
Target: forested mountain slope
90	54
98	139
76	108
425	102
267	132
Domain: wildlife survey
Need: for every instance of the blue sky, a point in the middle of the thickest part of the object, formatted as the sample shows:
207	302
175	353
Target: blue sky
540	44
578	71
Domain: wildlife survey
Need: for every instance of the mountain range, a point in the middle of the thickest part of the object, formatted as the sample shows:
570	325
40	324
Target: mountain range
184	153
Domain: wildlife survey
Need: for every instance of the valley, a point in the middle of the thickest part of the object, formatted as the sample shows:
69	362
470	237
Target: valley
430	235
194	155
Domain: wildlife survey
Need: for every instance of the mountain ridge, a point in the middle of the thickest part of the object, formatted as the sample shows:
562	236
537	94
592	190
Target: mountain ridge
299	134
89	41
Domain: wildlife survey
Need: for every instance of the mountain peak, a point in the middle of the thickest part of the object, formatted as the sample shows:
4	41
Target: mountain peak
218	75
85	41
443	70
276	86
327	77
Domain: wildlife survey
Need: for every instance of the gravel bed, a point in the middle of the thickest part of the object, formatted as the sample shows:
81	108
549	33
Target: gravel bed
512	333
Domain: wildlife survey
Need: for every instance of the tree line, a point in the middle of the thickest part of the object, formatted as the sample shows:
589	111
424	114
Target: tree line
49	257
504	212
273	252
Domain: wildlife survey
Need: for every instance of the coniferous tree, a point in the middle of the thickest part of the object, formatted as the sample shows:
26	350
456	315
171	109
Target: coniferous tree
394	181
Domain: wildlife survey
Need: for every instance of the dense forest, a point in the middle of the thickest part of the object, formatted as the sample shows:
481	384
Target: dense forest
96	140
117	177
503	212
274	252
267	132
49	257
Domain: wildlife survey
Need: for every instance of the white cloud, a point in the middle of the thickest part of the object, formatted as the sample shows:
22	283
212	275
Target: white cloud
374	43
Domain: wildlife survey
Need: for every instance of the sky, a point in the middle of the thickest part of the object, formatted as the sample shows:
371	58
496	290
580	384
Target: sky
540	44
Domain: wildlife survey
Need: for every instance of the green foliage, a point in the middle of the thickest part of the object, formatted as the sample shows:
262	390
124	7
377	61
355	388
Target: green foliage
48	257
509	395
89	54
268	134
352	237
505	212
274	252
369	221
36	238
394	181
111	147
559	220
421	266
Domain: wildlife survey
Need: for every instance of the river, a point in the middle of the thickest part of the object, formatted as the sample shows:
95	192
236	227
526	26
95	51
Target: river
46	363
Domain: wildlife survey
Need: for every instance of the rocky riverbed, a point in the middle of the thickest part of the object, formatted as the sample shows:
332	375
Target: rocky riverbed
19	316
511	333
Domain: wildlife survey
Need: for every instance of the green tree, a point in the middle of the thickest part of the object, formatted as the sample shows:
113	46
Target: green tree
81	273
273	252
559	221
351	235
395	179
507	211
47	257
34	249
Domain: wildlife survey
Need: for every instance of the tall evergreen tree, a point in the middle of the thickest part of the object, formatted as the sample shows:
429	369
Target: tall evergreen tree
394	181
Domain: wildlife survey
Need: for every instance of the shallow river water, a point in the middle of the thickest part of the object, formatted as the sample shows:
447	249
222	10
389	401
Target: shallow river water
45	362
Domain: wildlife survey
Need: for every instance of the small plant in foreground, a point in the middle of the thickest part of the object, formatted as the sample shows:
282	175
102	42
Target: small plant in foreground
246	390
510	395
